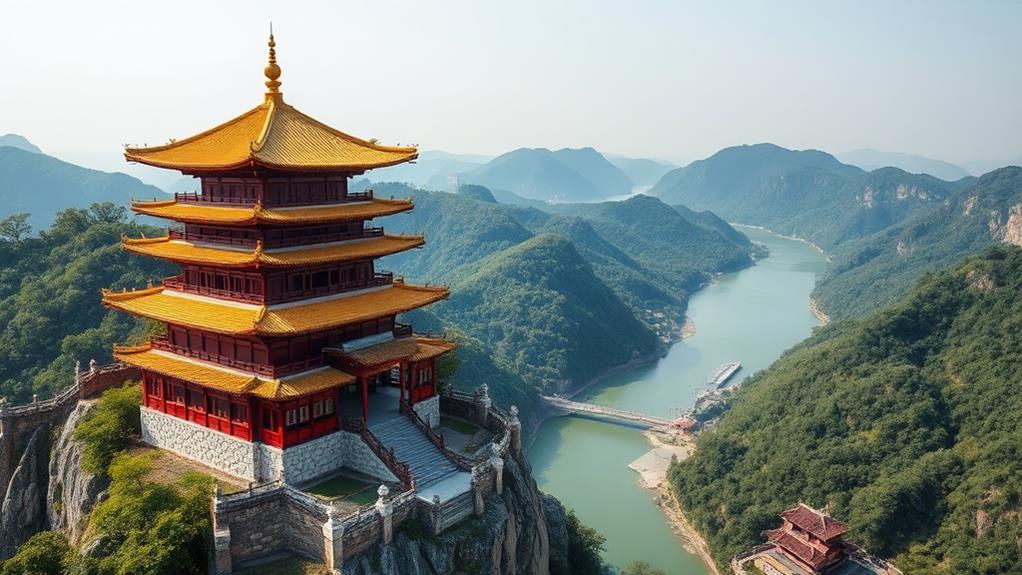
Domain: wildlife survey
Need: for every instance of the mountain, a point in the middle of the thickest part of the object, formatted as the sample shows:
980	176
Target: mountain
20	142
808	193
908	423
41	184
870	160
978	167
539	307
479	193
641	171
541	174
879	269
431	170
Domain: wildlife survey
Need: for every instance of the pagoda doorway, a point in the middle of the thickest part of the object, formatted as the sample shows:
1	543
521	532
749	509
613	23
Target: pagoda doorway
376	396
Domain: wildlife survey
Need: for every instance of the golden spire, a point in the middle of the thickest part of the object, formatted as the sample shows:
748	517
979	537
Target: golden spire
272	70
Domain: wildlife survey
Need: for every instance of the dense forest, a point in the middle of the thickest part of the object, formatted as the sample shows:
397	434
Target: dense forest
50	314
804	193
907	422
878	269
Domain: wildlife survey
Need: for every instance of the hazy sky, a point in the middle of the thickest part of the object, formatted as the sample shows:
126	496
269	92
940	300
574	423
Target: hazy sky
676	80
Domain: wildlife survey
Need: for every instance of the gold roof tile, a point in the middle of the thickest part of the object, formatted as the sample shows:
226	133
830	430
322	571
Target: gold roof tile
273	135
180	251
229	380
253	215
410	349
285	319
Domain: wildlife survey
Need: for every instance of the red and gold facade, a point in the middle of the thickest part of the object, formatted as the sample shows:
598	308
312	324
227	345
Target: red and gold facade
280	316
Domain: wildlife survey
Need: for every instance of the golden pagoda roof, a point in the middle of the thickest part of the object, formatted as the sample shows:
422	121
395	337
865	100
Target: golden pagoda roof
230	380
351	250
230	317
411	349
273	135
257	214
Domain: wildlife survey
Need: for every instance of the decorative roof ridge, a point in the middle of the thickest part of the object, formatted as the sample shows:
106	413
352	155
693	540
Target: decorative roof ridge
142	241
371	143
129	150
132	349
125	295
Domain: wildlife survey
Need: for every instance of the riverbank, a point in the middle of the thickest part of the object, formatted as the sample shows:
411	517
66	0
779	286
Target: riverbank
795	238
820	315
652	469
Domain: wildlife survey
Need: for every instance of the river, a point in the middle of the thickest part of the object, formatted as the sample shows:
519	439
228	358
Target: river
752	316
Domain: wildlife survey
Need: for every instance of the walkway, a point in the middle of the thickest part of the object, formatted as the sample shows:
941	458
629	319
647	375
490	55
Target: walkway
609	412
412	447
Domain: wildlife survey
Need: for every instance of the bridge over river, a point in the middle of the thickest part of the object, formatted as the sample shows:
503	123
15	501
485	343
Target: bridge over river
580	408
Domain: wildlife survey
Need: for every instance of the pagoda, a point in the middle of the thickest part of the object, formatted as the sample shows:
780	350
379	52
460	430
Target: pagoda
280	325
810	538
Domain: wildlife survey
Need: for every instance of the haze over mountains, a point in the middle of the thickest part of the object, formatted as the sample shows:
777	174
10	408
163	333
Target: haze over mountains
870	160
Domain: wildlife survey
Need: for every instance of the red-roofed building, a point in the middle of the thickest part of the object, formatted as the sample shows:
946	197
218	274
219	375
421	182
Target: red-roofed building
811	538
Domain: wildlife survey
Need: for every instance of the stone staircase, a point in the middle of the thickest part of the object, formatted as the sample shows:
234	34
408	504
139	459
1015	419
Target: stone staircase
428	464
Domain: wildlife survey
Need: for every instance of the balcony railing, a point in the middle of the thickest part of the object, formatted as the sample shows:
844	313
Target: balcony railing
402	330
197	198
373	232
178	283
162	343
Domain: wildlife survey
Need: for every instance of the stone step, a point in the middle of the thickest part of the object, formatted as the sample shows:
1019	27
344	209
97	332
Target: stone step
411	447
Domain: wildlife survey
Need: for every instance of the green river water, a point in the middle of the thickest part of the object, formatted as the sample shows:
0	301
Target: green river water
750	316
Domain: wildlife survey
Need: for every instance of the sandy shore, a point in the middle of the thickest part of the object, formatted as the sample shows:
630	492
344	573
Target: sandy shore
652	469
816	311
688	329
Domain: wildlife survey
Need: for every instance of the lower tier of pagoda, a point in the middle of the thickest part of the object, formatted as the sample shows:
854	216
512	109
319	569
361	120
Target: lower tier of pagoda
283	412
305	316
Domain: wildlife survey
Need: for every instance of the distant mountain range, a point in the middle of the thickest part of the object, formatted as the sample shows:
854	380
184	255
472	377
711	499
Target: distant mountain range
807	193
42	185
870	160
879	269
20	142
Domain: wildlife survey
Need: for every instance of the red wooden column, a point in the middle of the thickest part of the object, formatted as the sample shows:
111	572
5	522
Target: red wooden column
401	386
364	382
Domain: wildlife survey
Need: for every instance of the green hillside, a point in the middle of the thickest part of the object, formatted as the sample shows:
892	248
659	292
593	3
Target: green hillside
50	314
539	307
805	193
907	423
879	269
41	185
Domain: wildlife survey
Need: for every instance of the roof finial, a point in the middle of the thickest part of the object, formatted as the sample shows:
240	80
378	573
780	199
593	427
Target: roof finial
272	70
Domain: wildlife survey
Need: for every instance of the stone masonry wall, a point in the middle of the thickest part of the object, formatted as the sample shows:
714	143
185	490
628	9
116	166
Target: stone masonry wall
217	450
326	454
429	410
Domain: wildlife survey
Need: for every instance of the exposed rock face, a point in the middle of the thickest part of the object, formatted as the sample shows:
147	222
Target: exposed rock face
23	512
509	538
72	492
557	533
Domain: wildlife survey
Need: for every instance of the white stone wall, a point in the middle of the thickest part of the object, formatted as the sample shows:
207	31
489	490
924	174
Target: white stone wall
327	454
429	410
209	447
258	461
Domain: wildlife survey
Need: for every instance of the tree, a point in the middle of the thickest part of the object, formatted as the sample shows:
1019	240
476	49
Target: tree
584	547
108	213
642	568
15	227
43	554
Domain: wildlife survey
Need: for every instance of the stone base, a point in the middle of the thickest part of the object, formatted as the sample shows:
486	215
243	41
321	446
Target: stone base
255	461
429	410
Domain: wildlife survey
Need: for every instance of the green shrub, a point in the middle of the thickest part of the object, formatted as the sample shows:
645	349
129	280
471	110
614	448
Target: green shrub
109	428
43	554
584	547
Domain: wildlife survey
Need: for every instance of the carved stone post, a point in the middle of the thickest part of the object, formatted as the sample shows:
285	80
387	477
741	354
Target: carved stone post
222	550
497	463
333	541
437	513
386	511
78	372
515	428
92	366
478	504
483	404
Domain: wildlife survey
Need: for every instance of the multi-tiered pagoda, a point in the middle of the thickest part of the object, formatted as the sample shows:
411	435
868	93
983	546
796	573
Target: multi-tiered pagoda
280	320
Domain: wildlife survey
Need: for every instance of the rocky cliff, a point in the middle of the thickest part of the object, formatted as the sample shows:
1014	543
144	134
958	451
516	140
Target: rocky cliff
23	512
511	537
71	492
48	489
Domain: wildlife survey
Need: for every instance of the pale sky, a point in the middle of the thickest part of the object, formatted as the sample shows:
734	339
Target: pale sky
673	80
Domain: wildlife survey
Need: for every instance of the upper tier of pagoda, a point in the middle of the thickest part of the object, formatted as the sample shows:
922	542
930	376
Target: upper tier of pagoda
259	215
273	136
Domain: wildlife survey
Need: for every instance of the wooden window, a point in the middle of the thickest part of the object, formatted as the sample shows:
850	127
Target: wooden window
271	419
221	408
239	413
153	386
179	395
322	408
303	414
291	418
196	400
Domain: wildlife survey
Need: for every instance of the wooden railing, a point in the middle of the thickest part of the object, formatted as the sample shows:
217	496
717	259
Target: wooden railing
197	198
463	463
371	232
402	330
178	283
400	470
262	369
